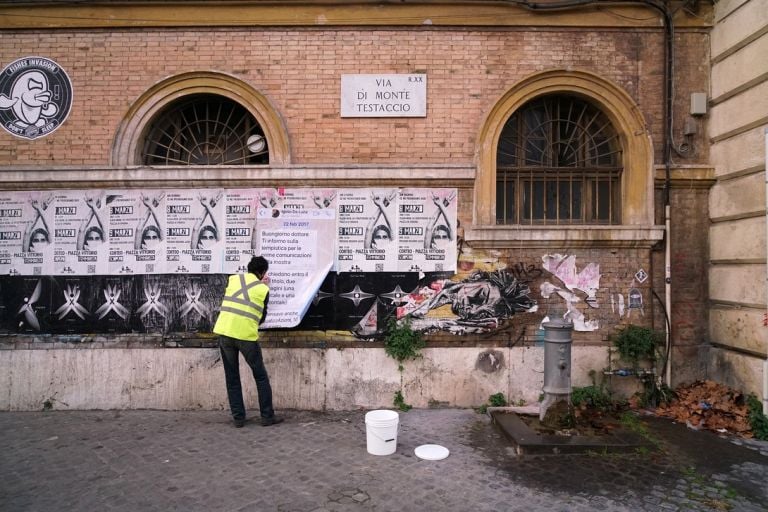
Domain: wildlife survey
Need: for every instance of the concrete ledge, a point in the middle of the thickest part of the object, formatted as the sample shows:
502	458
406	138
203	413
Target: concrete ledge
527	441
307	379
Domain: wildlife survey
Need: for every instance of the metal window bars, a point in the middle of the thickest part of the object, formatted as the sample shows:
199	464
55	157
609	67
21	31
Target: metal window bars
558	162
204	130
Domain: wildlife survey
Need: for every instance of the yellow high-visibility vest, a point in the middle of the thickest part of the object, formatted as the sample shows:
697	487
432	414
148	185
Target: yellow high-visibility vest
242	307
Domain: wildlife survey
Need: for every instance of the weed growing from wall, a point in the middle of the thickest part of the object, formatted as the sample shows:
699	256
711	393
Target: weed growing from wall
402	343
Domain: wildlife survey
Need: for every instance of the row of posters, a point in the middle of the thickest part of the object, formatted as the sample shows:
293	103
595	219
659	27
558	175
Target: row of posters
303	233
216	231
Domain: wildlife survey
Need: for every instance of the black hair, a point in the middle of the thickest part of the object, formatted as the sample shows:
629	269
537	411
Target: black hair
40	231
95	229
258	266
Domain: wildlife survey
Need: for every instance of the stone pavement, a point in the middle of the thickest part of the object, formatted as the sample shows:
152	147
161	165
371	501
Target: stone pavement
196	460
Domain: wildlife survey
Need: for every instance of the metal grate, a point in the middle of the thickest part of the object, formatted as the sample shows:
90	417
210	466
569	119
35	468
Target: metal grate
205	130
558	162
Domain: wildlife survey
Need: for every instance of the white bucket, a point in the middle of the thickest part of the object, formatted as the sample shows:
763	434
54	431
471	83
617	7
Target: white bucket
381	431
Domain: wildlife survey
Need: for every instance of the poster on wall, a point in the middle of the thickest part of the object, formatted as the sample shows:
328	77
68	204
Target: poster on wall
81	227
26	233
240	225
137	232
294	241
72	305
427	223
367	230
195	242
26	304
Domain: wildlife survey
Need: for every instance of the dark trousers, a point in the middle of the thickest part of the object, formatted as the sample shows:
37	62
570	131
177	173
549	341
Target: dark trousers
230	347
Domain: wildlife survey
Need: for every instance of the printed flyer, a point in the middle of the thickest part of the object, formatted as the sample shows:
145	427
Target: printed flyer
294	242
195	219
427	230
81	227
26	233
367	234
137	232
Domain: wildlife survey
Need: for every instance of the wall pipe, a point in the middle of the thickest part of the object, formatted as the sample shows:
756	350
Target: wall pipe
669	39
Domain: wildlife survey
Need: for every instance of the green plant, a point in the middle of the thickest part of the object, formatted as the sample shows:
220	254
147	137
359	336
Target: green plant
757	420
654	393
497	400
635	343
399	402
402	343
591	396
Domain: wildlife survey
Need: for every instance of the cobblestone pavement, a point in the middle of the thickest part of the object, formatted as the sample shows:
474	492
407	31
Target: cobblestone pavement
156	460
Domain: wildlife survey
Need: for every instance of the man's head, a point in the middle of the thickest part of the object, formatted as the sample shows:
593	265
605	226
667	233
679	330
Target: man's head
258	266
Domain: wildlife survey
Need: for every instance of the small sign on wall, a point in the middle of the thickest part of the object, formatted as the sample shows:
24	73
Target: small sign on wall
35	97
384	95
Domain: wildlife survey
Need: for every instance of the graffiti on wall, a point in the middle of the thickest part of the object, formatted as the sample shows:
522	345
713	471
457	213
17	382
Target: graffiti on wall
571	282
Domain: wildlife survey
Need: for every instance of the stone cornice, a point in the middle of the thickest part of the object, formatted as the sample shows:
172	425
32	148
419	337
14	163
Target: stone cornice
323	13
563	237
686	176
45	177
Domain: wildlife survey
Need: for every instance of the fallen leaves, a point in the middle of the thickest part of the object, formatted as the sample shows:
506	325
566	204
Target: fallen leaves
711	406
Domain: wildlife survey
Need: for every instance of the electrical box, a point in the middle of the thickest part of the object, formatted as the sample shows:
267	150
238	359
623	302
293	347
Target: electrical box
698	103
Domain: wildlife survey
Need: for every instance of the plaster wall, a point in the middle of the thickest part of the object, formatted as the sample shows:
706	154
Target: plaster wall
739	152
308	379
739	41
738	239
739	196
740	328
739	68
738	371
735	21
735	283
739	111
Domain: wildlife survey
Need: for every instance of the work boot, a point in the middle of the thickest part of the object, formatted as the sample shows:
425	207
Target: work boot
274	420
239	423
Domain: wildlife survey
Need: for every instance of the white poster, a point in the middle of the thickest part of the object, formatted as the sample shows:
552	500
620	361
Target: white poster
427	230
239	227
295	242
137	232
367	230
81	227
26	233
195	241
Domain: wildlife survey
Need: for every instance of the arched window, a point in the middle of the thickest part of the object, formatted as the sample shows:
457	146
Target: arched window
204	129
559	161
201	118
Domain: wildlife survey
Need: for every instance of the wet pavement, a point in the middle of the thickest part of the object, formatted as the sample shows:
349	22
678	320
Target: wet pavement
196	460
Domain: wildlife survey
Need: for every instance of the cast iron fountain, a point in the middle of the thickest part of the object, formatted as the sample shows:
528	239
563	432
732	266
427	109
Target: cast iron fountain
556	429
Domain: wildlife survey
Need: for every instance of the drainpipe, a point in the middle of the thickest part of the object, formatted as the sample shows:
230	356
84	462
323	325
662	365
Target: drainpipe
669	40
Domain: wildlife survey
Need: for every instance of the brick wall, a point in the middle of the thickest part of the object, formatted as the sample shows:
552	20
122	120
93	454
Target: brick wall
299	72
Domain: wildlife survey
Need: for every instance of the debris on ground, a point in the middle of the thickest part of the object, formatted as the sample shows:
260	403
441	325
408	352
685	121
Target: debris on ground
711	406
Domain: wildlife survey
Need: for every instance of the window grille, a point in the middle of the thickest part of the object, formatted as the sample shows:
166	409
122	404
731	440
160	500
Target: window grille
205	130
558	162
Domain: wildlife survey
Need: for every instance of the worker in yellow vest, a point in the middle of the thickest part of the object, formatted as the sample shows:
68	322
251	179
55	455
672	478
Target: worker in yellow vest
243	308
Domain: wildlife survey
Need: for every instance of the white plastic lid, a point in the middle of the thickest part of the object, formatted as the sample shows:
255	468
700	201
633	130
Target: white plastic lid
431	452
